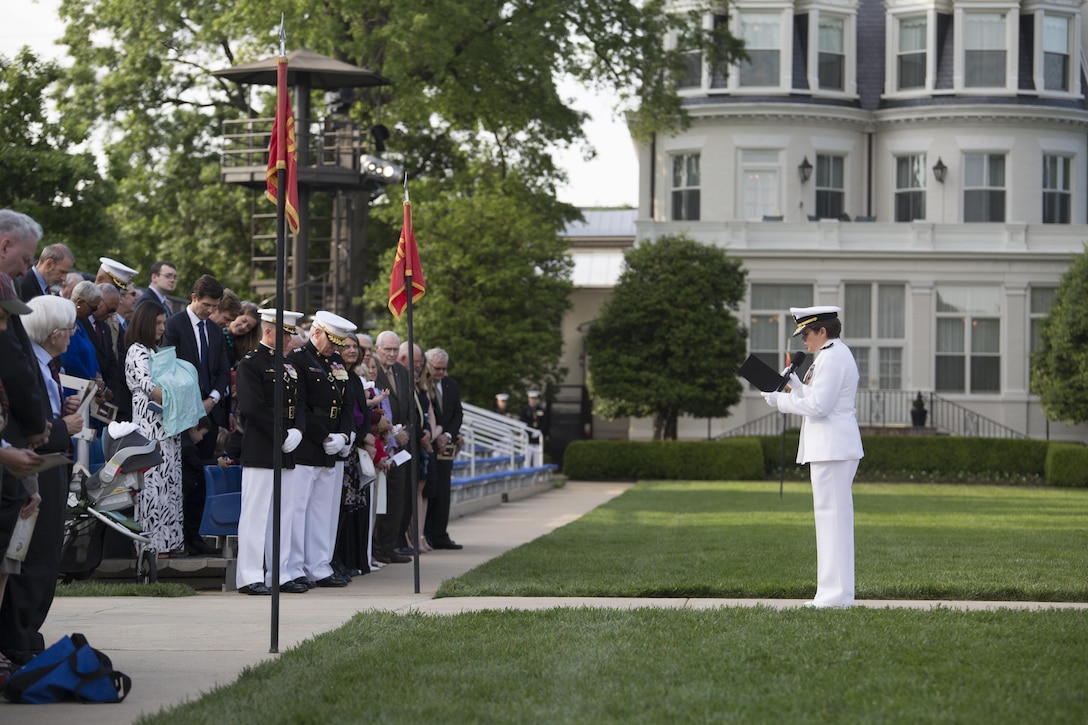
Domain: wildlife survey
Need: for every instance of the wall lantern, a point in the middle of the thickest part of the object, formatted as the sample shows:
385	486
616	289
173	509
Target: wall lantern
805	169
940	171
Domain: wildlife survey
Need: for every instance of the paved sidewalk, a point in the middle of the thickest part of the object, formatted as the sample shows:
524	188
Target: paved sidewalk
177	649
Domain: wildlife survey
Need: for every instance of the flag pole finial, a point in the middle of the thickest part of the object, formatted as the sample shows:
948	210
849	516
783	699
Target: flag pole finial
406	186
283	38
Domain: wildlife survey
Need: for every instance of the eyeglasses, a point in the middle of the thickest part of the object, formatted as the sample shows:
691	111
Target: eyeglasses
70	329
388	349
438	369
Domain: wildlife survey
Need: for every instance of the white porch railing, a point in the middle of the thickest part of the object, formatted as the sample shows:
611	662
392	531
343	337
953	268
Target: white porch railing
490	435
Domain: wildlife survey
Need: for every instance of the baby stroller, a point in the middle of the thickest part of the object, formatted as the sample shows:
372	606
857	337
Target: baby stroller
96	502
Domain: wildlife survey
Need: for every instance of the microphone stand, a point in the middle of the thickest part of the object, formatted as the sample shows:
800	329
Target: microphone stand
782	469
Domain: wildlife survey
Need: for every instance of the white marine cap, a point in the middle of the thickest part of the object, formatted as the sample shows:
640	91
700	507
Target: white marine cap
502	396
805	316
335	327
120	273
290	319
533	393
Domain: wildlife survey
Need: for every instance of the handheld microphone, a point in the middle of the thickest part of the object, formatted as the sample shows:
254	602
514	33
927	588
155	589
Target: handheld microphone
796	359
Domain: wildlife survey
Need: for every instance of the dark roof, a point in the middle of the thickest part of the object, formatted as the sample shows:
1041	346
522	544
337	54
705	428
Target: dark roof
304	67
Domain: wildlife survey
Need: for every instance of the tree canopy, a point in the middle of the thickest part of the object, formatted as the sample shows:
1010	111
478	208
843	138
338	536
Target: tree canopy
1059	370
667	343
475	114
47	172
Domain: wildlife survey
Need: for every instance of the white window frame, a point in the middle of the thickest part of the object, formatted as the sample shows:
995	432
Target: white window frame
878	340
1065	160
985	186
892	51
1039	296
968	318
1040	12
687	187
790	295
849	50
751	163
915	159
1010	13
785	46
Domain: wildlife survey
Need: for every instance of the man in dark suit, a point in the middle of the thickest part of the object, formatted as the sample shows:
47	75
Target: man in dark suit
105	346
28	406
201	342
449	414
164	277
394	377
54	264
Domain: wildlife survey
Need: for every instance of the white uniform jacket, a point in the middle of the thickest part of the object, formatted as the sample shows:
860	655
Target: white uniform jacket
829	431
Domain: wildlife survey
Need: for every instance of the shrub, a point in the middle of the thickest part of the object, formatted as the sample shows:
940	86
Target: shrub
1067	465
734	459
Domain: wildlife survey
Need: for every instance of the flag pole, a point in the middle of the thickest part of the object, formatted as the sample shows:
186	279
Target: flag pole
277	355
413	443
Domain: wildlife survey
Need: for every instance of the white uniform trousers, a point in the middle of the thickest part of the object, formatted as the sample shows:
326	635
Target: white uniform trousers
297	503
322	520
255	526
833	504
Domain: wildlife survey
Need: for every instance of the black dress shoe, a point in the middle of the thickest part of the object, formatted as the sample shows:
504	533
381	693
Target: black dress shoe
256	588
304	582
293	587
201	548
398	559
332	581
448	544
405	551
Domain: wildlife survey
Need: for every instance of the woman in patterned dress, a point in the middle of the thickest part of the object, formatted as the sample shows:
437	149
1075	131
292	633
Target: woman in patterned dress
159	504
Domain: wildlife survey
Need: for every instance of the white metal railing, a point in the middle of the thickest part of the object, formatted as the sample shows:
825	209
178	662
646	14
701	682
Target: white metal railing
490	435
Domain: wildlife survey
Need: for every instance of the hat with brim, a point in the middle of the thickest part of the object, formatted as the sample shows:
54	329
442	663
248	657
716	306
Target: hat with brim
805	316
9	298
336	327
121	274
290	319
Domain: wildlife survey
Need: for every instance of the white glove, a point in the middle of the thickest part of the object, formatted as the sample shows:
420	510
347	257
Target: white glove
771	398
794	382
294	437
351	440
336	443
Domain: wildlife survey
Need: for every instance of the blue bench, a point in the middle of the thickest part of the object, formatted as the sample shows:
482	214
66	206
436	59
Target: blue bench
222	501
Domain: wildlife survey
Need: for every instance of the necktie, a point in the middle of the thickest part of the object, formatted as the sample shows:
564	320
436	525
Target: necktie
389	376
97	326
204	352
438	396
54	370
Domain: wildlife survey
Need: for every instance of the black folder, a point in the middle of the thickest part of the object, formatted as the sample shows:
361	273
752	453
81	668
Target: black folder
761	375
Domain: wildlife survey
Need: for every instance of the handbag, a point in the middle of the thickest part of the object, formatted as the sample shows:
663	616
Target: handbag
366	464
69	670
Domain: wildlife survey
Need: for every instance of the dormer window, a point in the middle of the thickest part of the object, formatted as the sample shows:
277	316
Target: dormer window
1056	42
984	51
831	58
911	55
762	35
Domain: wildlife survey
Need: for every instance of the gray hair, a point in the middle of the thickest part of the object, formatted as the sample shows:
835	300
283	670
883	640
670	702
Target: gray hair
87	291
360	336
58	252
387	333
436	353
109	292
20	226
49	313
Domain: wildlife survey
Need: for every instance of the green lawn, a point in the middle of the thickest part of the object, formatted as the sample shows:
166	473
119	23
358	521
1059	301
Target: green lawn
747	665
705	539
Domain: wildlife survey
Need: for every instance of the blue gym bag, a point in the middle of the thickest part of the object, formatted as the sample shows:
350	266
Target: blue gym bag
69	670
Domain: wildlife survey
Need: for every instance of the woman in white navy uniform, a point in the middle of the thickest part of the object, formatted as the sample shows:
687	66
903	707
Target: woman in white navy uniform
830	443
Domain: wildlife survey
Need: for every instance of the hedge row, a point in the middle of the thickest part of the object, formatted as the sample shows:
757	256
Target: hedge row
890	457
736	459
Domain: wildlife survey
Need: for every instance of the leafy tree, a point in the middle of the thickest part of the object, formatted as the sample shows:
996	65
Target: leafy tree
504	282
666	343
475	114
44	174
1059	370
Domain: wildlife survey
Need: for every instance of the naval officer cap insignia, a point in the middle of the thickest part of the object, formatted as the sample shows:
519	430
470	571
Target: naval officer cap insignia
290	319
121	274
805	316
336	327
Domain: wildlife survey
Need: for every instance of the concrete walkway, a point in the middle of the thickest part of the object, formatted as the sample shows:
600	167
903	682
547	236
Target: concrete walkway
176	649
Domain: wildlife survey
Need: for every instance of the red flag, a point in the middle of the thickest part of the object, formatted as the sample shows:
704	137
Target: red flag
281	149
406	265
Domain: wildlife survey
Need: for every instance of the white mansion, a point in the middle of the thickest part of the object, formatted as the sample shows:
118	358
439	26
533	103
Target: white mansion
923	164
